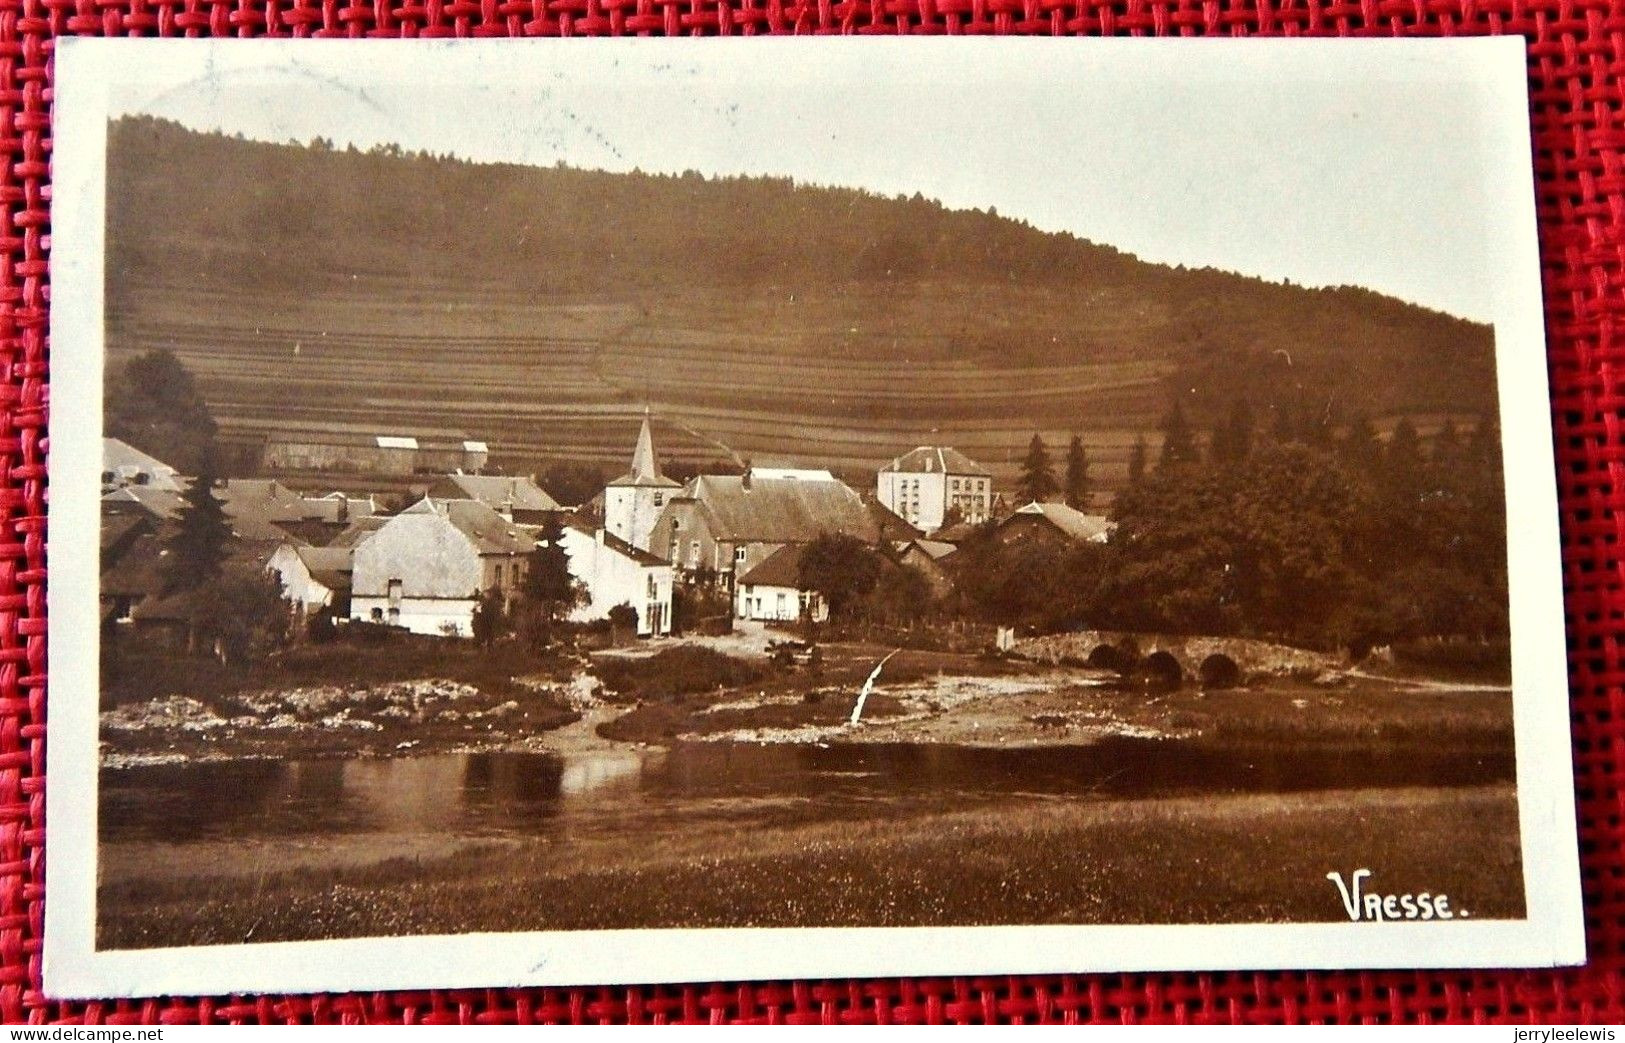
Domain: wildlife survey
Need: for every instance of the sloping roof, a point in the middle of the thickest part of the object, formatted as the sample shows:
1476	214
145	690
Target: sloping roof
138	571
782	568
645	465
941	459
1072	522
117	526
782	510
119	455
262	499
494	490
160	503
612	541
891	526
490	532
395	441
956	534
358	530
329	566
933	549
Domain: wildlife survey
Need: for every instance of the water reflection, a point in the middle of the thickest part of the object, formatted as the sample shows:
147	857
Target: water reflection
530	794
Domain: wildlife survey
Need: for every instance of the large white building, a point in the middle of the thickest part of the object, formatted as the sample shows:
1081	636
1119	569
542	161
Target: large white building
425	568
633	501
922	485
617	573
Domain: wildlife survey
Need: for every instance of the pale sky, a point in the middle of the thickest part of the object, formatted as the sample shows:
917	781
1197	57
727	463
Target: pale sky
1322	162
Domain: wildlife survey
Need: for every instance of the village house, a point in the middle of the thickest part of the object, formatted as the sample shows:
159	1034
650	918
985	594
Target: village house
726	525
633	501
426	568
772	592
314	579
124	465
517	498
616	573
353	449
928	558
932	484
1052	524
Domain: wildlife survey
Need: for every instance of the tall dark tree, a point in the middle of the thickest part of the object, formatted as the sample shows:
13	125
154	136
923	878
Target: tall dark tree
548	588
1037	481
490	619
1077	474
198	544
842	569
1178	443
1237	433
153	403
1360	447
1136	461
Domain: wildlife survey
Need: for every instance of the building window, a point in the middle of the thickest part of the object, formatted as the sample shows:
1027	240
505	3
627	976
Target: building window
781	605
124	609
660	499
694	553
739	555
394	617
653	590
377	615
395	590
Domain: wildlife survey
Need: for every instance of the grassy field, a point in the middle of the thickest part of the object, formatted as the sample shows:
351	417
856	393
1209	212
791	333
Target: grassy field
1220	860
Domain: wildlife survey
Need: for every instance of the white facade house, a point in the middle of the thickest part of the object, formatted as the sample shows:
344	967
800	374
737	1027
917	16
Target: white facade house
772	592
316	579
922	485
617	573
426	568
633	501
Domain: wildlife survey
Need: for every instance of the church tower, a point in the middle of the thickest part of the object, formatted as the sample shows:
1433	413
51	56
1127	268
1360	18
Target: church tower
633	501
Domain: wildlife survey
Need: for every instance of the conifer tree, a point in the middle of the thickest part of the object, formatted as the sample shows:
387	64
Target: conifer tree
1136	461
1077	474
1178	444
197	547
1037	482
548	587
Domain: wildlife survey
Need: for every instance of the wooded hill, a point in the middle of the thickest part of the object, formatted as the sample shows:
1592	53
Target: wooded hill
539	307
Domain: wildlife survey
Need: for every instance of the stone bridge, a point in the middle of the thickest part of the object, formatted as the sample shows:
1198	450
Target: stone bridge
1213	661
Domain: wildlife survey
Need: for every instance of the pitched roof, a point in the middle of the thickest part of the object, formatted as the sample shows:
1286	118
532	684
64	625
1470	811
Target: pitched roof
494	490
160	503
329	566
892	527
119	455
933	549
1072	522
782	568
645	465
359	530
782	510
489	531
937	459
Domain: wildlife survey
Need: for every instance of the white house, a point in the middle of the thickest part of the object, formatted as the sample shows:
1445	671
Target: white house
633	501
317	579
617	573
426	568
922	485
771	592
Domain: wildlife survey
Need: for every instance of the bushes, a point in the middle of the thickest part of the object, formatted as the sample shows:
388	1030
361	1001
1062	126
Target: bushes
1484	659
673	672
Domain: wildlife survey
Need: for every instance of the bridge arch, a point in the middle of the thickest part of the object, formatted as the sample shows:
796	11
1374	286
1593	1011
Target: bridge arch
1218	670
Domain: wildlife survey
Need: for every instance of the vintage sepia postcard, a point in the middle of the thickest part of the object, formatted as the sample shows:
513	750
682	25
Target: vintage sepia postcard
585	512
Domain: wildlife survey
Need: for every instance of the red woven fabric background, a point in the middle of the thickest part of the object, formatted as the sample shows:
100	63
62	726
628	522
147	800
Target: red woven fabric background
1577	85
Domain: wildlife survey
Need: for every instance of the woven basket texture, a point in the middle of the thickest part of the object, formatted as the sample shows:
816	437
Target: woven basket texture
1576	61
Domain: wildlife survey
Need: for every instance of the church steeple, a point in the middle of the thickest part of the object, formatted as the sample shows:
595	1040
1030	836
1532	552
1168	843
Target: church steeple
645	466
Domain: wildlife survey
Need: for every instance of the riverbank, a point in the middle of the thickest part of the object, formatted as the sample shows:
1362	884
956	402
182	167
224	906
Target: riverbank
680	693
1224	859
